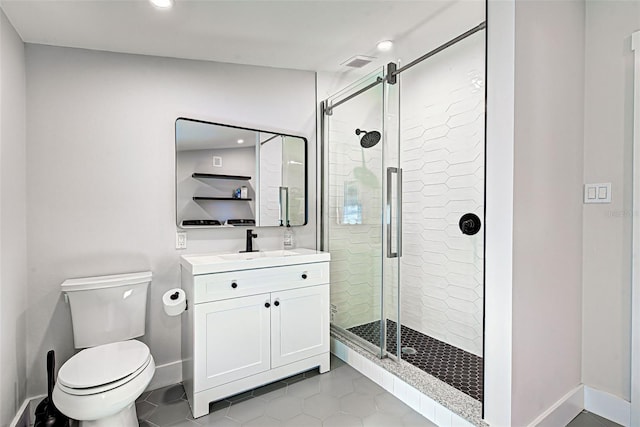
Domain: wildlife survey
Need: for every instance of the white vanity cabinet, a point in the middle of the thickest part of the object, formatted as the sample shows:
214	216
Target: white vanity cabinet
252	326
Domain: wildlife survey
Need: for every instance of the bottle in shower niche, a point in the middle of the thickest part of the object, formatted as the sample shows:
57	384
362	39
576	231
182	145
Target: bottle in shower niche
288	237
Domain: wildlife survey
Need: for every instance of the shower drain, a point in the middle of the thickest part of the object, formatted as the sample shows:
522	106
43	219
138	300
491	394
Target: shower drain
409	350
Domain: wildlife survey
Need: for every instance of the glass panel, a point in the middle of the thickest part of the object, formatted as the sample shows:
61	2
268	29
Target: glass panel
354	222
442	150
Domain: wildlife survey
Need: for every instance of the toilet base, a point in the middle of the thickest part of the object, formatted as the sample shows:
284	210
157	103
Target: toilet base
125	418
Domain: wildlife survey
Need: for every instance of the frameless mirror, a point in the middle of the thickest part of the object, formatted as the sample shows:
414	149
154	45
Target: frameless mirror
228	176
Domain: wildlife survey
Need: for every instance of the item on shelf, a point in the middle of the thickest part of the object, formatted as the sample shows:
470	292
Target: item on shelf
237	193
244	192
202	222
240	222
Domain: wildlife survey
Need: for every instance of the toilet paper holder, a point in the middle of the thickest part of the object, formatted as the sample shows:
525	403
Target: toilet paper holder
174	296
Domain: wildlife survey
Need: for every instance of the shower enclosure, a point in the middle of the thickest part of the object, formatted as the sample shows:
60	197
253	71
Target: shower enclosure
403	211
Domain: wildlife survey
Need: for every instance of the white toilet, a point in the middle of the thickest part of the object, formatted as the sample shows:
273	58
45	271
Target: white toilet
99	385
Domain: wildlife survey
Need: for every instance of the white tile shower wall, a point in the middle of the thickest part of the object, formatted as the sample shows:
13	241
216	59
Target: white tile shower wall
442	156
355	241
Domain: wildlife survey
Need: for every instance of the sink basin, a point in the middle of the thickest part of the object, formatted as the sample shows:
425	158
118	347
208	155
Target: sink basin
254	255
217	262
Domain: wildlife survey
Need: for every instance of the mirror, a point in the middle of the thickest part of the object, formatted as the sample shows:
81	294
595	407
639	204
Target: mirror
228	176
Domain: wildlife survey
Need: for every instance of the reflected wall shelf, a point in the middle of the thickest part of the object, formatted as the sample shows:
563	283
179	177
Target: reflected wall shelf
231	199
217	176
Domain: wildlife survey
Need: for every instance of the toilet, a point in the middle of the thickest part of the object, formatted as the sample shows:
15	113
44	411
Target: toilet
99	385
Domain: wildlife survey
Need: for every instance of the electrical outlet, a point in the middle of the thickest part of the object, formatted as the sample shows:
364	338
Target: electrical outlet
181	240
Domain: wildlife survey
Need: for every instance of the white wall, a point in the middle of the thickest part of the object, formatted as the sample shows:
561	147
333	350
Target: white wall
547	246
607	228
13	249
101	173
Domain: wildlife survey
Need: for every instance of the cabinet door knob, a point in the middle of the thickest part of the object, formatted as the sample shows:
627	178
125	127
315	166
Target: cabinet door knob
234	285
304	275
277	303
266	304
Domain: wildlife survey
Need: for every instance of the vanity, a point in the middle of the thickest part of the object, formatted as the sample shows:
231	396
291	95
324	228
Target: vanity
252	318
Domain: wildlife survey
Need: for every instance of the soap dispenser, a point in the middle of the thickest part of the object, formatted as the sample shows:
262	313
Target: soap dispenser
288	237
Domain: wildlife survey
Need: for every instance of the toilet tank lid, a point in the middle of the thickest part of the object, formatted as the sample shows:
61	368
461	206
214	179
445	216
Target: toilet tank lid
99	282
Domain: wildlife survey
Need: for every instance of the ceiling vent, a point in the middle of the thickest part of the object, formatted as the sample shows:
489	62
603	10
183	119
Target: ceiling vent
358	61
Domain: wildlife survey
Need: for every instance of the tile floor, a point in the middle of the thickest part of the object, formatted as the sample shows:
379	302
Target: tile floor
587	419
342	397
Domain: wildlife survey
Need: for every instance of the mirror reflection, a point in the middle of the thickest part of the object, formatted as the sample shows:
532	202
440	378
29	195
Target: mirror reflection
228	176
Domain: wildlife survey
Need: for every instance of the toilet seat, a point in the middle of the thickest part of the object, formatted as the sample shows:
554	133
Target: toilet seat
104	405
102	368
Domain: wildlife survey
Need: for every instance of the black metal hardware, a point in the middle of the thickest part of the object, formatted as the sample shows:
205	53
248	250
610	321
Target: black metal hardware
266	304
250	236
234	285
304	275
392	76
470	224
277	303
174	295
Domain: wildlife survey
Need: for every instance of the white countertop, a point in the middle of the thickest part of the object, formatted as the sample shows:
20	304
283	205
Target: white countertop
207	263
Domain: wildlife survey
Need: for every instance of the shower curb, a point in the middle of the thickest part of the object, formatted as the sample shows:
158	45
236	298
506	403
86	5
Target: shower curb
432	398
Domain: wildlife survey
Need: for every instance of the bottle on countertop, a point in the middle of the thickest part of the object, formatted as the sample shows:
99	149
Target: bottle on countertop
288	237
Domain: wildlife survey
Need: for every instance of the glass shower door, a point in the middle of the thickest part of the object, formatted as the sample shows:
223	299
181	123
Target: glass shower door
360	192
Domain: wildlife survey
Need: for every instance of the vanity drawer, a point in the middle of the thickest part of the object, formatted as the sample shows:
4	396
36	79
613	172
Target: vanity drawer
233	284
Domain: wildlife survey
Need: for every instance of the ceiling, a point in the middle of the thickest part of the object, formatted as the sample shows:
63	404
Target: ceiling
194	135
297	34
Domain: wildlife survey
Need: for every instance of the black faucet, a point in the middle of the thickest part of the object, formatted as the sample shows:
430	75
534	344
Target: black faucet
250	236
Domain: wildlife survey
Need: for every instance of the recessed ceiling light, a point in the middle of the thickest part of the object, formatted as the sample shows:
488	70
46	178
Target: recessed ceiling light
385	45
241	141
162	4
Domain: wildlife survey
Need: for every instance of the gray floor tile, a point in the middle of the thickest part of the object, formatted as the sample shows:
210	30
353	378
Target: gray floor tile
144	409
306	388
391	405
263	421
380	419
587	419
342	420
337	386
247	410
357	404
284	408
303	420
165	394
169	413
365	386
222	422
321	406
340	398
143	396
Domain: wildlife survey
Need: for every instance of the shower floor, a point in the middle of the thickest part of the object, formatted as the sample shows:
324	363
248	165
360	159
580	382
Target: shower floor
454	366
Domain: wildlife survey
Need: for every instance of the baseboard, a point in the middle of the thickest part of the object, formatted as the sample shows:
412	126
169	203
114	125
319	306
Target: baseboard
167	374
608	406
563	411
22	418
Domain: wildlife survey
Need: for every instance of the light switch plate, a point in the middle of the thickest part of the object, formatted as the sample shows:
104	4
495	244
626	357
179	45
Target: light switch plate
181	240
597	193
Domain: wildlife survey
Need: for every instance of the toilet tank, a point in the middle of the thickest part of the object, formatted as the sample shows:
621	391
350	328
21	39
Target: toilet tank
106	309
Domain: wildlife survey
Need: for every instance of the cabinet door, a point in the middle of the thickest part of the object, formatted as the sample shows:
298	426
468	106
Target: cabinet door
231	340
299	324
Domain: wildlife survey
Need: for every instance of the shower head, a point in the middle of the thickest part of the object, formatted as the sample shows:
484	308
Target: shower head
369	139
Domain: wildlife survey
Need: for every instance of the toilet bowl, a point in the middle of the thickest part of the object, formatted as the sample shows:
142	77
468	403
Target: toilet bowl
99	386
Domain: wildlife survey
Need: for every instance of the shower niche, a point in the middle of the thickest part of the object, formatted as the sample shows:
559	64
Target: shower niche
229	176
